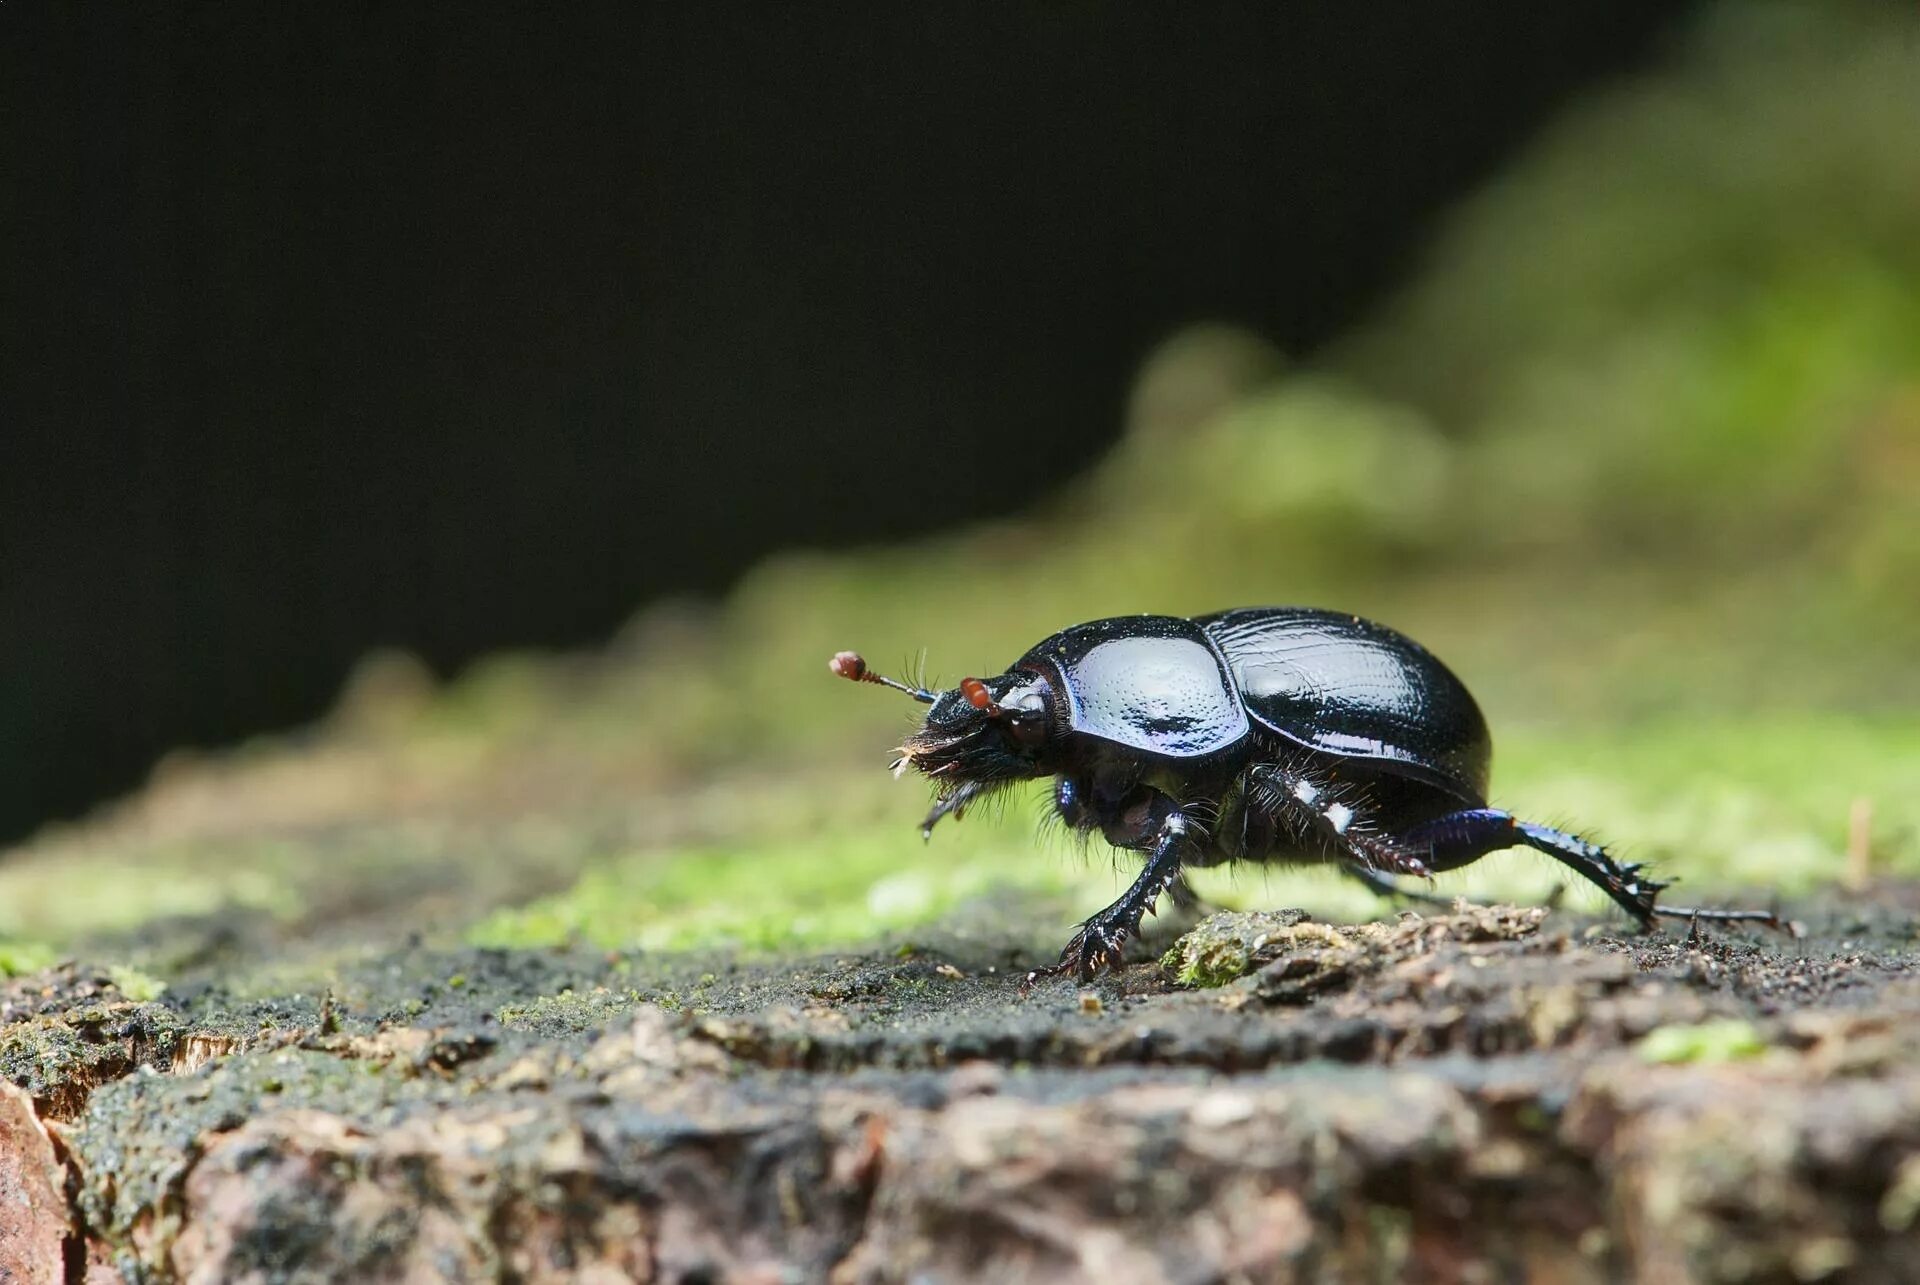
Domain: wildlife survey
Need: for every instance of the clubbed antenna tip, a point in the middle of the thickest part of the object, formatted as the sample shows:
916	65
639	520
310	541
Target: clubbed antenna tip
851	666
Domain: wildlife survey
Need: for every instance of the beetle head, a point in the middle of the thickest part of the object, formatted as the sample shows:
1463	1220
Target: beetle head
984	733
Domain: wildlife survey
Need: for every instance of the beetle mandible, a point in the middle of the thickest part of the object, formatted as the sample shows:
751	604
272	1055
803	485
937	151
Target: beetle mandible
1255	734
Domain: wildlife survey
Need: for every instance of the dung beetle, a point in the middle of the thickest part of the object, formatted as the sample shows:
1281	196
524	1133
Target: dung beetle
1256	734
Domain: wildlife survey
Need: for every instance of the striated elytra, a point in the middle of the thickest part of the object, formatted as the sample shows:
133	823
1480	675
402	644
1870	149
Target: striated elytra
1256	734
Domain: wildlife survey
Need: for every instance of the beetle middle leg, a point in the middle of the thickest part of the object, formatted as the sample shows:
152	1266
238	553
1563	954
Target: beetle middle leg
1384	885
1315	809
1461	838
1145	820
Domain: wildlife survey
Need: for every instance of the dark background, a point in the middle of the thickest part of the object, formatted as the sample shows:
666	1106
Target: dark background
460	327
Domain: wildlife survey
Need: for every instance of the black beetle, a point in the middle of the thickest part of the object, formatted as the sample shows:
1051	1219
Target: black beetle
1257	734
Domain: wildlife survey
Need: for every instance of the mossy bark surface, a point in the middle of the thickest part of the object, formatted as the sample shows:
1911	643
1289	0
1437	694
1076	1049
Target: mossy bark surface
1479	1094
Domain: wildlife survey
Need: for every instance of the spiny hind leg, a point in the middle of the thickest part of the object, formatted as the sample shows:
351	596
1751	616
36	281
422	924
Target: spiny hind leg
1461	838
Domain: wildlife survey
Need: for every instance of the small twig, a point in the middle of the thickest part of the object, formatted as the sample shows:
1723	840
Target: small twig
1859	872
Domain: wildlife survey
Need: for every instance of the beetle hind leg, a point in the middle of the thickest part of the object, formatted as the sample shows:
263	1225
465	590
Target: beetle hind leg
1461	838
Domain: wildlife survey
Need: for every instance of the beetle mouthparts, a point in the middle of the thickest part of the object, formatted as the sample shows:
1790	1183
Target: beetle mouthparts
954	805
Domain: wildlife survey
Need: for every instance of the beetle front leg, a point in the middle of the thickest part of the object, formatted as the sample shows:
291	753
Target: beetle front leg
1072	799
1185	897
1151	820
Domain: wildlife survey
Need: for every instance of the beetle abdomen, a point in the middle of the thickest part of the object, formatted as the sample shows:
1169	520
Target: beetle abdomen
1346	686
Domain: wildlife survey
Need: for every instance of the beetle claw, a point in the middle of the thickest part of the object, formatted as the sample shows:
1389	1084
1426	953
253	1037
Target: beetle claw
1093	950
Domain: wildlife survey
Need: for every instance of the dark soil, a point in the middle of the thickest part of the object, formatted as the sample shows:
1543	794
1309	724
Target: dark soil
1478	1095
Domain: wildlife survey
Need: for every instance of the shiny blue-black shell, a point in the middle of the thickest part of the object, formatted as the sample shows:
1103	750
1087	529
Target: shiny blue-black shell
1346	686
1324	681
1155	684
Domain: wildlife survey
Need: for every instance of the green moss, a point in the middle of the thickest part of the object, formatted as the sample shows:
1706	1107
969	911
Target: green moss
166	881
135	1131
60	1058
840	887
1719	804
18	958
569	1012
134	984
1731	1040
1223	948
1209	966
1759	802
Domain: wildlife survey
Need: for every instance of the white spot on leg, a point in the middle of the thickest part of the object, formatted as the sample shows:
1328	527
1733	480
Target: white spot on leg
1305	791
1339	816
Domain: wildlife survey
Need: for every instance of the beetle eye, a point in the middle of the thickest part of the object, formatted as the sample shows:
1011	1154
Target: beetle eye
1029	728
978	696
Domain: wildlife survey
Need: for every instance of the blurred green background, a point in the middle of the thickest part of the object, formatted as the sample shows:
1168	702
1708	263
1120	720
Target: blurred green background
1637	453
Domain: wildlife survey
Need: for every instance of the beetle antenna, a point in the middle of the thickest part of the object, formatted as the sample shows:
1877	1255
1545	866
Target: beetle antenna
849	665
